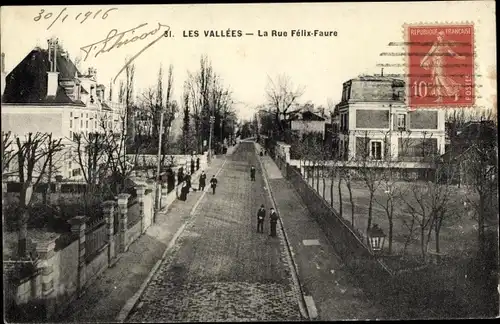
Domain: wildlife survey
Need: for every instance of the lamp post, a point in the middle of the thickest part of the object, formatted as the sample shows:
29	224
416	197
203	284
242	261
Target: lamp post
209	156
376	237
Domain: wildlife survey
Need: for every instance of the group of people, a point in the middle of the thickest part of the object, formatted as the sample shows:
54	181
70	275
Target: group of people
202	182
273	220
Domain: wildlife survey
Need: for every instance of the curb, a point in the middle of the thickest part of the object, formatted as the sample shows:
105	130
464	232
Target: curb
130	304
307	310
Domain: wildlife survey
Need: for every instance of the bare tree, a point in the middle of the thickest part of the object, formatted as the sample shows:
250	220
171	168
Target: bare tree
36	149
90	149
8	153
281	96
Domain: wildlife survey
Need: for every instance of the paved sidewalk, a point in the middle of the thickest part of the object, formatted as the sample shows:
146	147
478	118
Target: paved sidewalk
104	299
222	269
320	271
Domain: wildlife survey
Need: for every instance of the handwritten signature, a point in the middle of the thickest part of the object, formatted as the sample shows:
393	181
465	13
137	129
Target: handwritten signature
117	39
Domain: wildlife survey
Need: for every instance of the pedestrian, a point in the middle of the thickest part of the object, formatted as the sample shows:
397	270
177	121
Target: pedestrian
192	165
273	216
261	214
184	191
252	173
197	163
213	183
202	181
187	178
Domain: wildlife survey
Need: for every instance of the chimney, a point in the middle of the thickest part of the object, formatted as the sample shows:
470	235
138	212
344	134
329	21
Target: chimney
52	74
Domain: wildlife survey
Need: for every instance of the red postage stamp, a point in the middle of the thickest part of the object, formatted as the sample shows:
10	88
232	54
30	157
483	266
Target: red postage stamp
440	66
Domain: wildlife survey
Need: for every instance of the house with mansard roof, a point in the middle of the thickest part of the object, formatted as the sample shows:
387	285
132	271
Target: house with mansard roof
47	93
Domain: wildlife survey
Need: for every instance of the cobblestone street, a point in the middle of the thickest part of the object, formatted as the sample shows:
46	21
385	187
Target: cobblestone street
221	269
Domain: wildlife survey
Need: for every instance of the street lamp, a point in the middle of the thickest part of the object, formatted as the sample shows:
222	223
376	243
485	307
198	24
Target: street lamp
209	156
376	238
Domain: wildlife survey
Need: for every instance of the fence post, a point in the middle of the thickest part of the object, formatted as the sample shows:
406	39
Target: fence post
108	208
78	230
150	185
122	206
164	192
46	253
141	189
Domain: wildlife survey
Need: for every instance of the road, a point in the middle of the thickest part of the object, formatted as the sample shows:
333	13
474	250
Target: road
221	269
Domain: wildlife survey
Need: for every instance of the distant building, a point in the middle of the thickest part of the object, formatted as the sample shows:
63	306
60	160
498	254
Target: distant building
308	122
372	121
46	93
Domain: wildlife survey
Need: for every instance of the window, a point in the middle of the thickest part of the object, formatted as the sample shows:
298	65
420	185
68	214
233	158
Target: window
87	124
70	123
96	124
81	123
376	150
87	115
401	121
70	134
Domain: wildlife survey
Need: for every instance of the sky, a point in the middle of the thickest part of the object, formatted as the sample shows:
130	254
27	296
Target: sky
319	64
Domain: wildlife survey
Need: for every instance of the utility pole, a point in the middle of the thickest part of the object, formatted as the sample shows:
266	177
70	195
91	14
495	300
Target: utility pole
158	190
209	157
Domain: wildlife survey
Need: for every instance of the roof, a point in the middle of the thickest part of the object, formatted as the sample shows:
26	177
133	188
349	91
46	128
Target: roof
307	116
380	78
27	82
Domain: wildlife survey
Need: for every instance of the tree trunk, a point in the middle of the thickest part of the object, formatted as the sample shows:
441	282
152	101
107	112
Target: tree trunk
422	242
324	186
370	207
331	189
390	216
408	239
312	175
340	195
436	237
317	180
351	200
22	233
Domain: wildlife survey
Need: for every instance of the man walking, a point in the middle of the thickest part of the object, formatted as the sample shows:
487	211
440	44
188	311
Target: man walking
273	220
261	214
202	182
252	173
213	183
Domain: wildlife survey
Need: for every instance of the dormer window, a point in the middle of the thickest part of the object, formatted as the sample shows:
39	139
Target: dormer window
91	99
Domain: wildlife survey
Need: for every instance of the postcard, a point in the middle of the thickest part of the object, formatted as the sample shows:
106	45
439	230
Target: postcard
249	162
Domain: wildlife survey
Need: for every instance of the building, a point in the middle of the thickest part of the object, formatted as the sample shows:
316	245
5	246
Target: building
46	93
374	123
308	122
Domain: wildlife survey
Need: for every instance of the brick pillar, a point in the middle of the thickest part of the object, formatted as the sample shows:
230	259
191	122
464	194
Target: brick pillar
164	192
78	229
108	208
46	253
122	206
141	189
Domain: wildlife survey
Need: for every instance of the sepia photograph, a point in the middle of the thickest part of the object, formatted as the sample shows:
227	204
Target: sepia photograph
258	162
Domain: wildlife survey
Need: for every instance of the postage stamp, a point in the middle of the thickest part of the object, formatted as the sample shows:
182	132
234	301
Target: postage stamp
440	65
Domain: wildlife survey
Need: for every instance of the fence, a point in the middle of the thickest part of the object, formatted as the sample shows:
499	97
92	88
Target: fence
355	254
71	267
96	237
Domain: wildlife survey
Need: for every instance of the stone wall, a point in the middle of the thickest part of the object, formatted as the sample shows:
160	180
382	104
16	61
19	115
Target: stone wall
348	244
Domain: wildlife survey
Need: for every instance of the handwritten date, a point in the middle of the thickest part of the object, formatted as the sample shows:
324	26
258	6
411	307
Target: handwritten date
62	16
